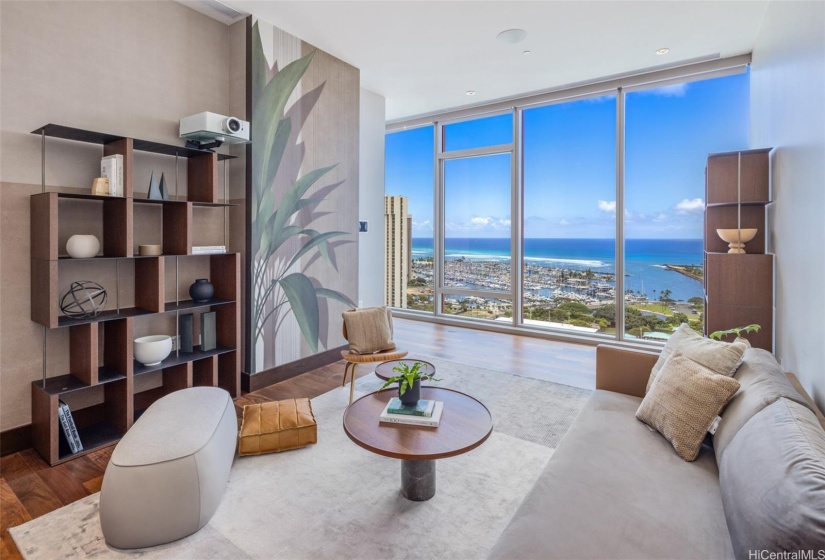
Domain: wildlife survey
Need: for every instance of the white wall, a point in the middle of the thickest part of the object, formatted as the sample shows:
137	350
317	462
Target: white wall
371	200
788	113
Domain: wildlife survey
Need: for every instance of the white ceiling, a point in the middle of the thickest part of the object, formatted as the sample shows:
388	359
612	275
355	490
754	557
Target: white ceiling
423	56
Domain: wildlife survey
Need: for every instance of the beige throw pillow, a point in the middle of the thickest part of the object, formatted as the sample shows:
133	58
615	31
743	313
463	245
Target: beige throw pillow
719	357
683	401
369	330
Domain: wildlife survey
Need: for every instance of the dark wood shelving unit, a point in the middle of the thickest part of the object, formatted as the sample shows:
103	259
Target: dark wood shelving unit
739	287
101	357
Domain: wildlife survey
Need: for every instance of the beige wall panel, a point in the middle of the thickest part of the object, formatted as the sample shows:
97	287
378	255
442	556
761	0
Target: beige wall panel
168	62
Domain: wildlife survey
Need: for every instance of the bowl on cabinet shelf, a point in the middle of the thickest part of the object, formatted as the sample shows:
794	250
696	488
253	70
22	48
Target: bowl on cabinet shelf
736	238
152	350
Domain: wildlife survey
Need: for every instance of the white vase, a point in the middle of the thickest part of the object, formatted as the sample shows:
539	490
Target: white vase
82	246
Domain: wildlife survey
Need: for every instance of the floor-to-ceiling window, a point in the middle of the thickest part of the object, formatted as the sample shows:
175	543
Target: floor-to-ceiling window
532	206
669	132
477	184
409	172
569	177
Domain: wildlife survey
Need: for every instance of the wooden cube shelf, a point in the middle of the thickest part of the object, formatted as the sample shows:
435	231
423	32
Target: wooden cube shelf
739	288
101	365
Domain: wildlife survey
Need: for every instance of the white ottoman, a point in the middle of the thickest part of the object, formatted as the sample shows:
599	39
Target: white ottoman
168	473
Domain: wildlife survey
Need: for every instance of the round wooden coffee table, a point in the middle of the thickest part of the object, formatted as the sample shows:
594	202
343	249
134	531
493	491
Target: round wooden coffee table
465	424
384	370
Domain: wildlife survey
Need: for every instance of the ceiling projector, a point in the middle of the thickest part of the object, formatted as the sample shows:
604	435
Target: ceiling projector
205	131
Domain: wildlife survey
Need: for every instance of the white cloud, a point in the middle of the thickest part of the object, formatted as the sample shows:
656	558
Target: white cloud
481	221
690	205
607	206
660	218
676	90
564	222
504	223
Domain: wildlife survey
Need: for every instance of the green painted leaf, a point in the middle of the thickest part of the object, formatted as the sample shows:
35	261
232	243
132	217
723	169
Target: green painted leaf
268	112
286	207
314	242
337	296
276	155
304	303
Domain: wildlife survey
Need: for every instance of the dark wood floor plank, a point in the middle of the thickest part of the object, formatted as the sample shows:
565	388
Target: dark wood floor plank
8	550
14	466
63	484
12	514
35	495
94	485
84	469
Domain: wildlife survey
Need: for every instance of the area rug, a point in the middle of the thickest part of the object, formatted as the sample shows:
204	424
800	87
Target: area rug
336	500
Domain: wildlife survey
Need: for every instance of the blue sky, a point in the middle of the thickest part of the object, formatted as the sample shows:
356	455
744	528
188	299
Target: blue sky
569	165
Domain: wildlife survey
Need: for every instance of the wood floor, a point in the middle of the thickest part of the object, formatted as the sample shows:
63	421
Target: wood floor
30	488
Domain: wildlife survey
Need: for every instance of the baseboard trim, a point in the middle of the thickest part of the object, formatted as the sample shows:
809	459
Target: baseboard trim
15	440
254	382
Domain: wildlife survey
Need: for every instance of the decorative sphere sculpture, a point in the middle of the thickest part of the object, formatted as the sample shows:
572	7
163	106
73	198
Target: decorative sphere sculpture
84	299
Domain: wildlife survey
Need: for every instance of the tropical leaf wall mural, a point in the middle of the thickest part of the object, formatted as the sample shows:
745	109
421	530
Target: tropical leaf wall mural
298	283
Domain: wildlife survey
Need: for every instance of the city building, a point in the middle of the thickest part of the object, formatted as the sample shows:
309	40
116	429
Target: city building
398	250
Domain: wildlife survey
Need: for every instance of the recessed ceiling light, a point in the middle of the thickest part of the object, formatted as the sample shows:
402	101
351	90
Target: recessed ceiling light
469	92
663	51
512	36
526	52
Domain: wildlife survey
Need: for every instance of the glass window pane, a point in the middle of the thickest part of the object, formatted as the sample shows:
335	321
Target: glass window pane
491	309
479	133
408	217
570	215
669	133
477	222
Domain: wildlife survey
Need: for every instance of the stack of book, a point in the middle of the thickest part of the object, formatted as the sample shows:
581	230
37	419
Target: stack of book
69	428
208	249
111	167
425	413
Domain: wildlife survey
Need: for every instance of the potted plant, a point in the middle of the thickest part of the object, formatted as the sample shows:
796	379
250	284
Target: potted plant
719	335
409	382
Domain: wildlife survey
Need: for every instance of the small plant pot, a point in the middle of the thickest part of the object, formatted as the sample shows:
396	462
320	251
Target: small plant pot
412	395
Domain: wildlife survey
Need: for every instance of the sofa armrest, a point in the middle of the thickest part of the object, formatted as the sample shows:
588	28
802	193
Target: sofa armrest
622	370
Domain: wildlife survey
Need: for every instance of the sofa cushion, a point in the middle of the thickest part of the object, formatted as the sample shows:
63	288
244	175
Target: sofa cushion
762	382
720	357
773	482
615	489
684	400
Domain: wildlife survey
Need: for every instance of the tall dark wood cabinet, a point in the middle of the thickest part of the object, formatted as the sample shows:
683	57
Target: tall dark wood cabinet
739	288
102	381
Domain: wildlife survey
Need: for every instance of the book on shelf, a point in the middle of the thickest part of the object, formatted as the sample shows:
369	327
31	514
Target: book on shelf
208	249
431	422
423	408
111	167
69	427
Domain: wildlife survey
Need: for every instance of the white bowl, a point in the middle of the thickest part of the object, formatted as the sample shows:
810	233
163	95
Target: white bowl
152	350
82	246
736	238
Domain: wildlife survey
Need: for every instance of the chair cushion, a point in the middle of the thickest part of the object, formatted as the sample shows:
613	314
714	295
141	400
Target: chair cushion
683	402
615	489
762	382
369	330
772	476
720	357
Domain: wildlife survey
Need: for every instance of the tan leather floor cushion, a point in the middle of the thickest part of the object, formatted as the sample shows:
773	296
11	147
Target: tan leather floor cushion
277	426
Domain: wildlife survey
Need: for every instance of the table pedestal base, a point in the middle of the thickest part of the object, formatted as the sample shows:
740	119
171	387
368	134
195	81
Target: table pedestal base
418	480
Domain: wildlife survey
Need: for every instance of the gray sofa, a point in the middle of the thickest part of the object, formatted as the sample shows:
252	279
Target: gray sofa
615	488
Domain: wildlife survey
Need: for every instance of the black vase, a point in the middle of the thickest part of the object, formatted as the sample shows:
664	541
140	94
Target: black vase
201	291
412	395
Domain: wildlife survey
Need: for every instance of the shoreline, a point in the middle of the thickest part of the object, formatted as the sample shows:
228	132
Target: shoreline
685	270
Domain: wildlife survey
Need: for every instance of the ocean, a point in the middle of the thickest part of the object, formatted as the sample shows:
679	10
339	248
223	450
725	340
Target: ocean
644	258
